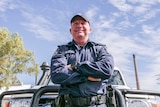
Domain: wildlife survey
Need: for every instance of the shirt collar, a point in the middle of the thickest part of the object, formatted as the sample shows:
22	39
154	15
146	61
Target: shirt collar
73	43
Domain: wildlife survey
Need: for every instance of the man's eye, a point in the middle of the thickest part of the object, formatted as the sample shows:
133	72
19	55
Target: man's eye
75	23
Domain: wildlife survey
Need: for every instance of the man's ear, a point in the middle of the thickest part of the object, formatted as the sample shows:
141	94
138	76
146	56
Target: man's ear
70	30
90	30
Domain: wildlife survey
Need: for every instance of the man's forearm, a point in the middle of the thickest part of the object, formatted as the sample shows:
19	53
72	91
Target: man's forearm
89	77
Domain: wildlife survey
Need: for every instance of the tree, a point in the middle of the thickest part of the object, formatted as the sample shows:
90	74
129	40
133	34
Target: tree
14	58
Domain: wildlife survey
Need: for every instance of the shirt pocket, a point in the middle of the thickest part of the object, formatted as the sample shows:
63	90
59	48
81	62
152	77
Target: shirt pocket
71	57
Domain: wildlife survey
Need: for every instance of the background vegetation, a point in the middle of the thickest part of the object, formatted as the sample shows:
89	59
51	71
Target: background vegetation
14	58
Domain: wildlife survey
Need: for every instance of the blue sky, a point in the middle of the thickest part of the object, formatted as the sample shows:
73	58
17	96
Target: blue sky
127	27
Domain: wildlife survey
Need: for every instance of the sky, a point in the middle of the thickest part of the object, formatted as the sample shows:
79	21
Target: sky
127	27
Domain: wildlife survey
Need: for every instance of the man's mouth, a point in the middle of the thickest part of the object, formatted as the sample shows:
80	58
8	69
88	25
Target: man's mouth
79	31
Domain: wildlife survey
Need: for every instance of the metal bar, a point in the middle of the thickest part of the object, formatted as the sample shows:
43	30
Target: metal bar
41	91
15	92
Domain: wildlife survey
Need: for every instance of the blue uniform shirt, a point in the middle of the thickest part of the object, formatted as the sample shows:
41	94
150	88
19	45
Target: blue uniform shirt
91	60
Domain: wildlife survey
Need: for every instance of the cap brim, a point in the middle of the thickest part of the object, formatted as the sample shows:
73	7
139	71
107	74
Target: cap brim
79	16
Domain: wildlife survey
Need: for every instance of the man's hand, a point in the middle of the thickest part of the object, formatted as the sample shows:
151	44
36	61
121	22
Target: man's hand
93	79
69	67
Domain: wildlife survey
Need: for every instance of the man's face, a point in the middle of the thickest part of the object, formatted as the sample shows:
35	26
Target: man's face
80	30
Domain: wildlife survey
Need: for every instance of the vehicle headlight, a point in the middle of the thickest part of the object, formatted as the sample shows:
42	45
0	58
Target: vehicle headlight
139	103
20	102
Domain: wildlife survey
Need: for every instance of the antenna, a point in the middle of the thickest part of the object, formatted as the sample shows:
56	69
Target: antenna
136	72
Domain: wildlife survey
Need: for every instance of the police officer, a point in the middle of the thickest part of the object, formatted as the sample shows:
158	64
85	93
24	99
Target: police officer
81	67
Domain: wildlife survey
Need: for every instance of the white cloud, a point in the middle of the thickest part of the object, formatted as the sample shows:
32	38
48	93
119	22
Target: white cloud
7	4
153	35
121	5
145	10
153	41
146	15
90	13
2	5
142	10
122	46
149	2
41	25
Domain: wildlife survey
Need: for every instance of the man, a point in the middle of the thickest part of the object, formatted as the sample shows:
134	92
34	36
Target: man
82	68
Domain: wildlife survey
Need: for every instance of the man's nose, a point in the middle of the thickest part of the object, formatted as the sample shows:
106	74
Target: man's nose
79	25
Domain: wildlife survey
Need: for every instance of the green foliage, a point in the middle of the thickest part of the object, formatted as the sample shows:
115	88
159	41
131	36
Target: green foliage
14	58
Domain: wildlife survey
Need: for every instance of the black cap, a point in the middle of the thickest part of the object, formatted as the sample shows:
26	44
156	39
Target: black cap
81	16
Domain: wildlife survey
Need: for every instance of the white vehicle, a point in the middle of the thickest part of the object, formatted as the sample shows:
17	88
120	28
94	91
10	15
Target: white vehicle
19	87
44	94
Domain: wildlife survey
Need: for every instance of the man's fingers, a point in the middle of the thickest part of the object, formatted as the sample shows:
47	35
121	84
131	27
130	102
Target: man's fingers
94	79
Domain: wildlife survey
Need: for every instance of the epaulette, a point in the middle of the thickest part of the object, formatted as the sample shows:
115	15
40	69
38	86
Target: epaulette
97	44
